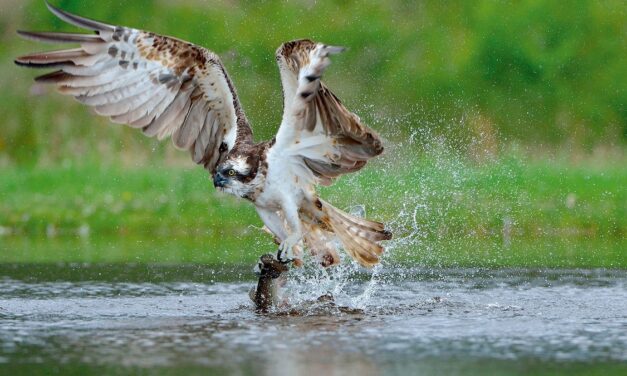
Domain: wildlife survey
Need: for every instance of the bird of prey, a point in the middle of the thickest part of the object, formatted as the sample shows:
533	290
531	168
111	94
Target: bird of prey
167	87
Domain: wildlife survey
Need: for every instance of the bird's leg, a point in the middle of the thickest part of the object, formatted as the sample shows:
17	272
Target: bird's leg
286	248
273	222
276	225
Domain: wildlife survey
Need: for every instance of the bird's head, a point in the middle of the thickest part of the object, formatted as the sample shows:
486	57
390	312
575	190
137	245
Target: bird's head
236	175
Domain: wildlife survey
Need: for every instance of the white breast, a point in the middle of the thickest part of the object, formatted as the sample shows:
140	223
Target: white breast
284	181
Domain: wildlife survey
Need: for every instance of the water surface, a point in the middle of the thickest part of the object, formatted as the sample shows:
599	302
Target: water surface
81	319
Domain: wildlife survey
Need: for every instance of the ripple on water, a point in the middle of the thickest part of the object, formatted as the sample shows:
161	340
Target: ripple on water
572	316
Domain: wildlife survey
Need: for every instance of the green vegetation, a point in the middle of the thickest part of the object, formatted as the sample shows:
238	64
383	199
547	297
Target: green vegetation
529	94
443	213
545	73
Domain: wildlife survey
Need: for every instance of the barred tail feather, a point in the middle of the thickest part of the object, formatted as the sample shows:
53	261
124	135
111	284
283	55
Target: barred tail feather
360	237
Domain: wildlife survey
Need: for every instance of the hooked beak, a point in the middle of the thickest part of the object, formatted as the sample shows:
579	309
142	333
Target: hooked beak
219	181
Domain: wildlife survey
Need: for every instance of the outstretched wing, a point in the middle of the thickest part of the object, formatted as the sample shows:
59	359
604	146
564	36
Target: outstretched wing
165	86
329	139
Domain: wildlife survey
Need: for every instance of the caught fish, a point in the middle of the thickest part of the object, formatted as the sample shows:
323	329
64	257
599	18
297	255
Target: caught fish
271	279
268	294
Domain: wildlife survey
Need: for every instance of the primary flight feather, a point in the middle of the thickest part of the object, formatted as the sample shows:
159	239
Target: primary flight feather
171	88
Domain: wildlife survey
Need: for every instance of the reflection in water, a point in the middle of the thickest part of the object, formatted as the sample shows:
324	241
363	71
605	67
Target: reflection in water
412	321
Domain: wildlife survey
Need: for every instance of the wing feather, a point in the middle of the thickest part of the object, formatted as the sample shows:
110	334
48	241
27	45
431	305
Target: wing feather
316	126
184	136
163	85
79	21
133	90
132	118
171	111
51	37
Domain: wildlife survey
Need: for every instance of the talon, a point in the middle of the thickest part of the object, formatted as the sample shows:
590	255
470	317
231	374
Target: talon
268	265
280	256
285	254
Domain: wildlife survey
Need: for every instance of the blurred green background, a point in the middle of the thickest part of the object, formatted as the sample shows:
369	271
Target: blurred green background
505	124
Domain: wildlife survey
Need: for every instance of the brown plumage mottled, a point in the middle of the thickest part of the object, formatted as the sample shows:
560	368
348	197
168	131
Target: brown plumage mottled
163	85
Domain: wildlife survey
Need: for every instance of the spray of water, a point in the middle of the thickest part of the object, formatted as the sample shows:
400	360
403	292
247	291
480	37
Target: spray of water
417	206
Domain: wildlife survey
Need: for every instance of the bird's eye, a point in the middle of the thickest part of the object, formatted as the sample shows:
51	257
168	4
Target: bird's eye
231	172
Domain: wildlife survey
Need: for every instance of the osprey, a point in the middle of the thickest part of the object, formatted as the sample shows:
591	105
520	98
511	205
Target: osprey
171	88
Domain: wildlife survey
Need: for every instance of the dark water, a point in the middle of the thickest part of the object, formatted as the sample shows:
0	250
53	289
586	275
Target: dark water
87	319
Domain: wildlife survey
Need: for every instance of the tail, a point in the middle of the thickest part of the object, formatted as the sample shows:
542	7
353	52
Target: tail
360	237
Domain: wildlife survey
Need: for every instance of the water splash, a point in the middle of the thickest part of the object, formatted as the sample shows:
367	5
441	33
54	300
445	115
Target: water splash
433	176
